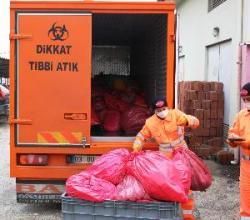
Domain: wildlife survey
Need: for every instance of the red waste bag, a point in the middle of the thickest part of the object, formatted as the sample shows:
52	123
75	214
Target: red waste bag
111	166
133	119
88	187
94	118
97	91
114	102
185	173
112	120
159	176
131	189
101	115
140	101
122	106
201	177
128	97
99	104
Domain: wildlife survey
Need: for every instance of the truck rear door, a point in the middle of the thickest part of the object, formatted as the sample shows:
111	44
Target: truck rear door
53	77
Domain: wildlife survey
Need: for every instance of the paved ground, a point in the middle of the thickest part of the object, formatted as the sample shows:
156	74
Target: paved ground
220	202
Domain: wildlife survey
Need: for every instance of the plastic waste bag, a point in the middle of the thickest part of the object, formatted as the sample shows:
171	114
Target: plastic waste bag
140	101
185	173
134	119
159	176
201	177
131	189
111	166
112	120
94	118
114	102
99	104
88	187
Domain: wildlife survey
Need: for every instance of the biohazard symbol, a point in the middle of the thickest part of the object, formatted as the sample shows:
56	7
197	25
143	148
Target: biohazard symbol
58	32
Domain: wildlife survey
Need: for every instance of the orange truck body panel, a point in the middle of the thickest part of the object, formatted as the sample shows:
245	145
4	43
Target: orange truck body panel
41	127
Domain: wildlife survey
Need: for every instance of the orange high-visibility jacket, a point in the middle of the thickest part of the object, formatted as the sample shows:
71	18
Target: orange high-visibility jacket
241	127
167	130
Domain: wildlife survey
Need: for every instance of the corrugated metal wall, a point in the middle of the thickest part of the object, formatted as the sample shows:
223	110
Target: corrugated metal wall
148	59
111	60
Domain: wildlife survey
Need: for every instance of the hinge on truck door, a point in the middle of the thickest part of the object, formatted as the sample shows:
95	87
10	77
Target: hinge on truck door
84	142
19	36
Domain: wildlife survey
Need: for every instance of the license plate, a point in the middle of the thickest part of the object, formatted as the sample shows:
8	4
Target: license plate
81	159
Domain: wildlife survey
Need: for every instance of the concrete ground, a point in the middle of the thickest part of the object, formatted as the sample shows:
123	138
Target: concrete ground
219	202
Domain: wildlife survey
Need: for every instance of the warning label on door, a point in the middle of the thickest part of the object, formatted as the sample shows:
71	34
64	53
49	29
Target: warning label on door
57	34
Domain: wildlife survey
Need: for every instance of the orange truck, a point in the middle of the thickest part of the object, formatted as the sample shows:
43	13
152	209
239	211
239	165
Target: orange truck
55	48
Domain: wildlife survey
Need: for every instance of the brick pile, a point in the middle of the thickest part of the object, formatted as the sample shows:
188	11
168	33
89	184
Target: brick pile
205	100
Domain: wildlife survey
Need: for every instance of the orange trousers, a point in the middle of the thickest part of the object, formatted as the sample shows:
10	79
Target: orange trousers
245	189
188	207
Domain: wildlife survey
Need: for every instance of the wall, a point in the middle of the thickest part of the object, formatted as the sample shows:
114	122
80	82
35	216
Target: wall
246	39
246	15
196	33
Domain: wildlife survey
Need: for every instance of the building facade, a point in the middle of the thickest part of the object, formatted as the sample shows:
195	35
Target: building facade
212	45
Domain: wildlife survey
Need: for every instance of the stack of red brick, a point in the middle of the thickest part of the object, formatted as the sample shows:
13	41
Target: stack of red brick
205	100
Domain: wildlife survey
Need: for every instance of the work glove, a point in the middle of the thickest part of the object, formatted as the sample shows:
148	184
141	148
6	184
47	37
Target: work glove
137	147
183	121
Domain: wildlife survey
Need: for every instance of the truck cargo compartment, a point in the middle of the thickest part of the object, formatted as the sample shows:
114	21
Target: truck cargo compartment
128	48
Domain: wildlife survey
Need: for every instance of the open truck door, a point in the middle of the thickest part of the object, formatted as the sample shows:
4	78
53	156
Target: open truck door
52	96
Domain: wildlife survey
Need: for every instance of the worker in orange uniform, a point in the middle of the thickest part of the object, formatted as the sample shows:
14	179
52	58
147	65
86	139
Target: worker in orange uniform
241	130
166	126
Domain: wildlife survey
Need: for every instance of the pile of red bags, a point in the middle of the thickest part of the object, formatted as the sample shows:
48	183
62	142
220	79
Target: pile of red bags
118	106
144	176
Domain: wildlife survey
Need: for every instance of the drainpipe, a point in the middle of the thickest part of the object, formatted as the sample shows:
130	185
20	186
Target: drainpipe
237	153
239	72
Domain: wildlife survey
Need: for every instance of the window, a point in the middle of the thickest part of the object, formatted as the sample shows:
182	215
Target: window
214	3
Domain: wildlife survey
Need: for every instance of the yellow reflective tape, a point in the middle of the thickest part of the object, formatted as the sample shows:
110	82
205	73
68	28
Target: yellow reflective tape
139	135
137	141
59	137
78	136
41	139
